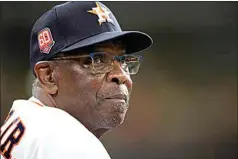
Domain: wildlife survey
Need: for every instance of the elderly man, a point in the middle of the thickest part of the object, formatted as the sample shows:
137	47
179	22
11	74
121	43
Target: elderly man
82	62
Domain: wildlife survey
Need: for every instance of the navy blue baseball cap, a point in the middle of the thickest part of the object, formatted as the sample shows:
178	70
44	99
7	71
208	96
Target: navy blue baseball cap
75	25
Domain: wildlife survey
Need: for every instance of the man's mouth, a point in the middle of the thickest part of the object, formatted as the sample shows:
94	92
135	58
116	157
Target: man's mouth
119	97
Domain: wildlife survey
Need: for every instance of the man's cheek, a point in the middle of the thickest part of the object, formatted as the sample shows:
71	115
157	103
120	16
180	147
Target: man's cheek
96	84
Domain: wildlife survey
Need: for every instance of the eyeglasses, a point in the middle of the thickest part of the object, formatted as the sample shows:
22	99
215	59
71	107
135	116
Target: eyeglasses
103	62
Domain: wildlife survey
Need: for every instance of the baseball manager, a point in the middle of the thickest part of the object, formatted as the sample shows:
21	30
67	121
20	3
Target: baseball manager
82	62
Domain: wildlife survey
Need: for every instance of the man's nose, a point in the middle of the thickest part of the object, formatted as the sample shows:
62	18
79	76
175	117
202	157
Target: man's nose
119	76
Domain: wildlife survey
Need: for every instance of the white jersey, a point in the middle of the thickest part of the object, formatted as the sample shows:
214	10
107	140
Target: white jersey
35	131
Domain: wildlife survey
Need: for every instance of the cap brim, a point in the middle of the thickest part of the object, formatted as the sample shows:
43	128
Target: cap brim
135	41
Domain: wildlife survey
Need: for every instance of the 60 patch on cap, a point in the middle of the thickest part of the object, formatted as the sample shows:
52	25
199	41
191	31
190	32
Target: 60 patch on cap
45	40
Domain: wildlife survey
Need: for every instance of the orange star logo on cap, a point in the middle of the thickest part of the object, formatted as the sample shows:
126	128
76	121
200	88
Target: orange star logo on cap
102	13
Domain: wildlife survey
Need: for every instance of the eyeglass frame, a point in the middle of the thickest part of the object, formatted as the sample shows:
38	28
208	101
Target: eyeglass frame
91	55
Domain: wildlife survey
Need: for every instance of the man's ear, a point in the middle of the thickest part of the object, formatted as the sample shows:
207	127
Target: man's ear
44	72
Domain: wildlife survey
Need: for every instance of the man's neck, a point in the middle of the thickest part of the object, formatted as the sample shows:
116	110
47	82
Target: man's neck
99	132
44	98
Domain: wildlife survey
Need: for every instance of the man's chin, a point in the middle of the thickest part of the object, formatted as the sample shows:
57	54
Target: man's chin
111	113
113	120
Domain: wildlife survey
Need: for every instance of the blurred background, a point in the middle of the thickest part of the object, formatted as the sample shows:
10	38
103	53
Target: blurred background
184	101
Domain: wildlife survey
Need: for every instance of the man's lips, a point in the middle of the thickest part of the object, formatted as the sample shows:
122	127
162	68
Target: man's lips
118	96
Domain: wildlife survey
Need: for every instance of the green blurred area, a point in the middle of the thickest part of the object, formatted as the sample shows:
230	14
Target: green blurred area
184	100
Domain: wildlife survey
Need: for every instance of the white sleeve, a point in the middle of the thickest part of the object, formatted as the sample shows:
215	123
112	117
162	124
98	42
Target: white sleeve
69	147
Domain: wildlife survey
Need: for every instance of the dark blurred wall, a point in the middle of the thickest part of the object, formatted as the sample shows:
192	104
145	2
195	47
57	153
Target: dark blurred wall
184	101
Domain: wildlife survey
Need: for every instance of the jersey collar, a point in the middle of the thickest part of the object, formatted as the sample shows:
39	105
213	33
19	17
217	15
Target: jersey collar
36	101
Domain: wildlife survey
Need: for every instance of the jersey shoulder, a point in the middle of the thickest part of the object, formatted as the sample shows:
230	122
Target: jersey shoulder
44	120
54	133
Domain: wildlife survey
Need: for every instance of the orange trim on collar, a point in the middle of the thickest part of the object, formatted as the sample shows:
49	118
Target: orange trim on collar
39	104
